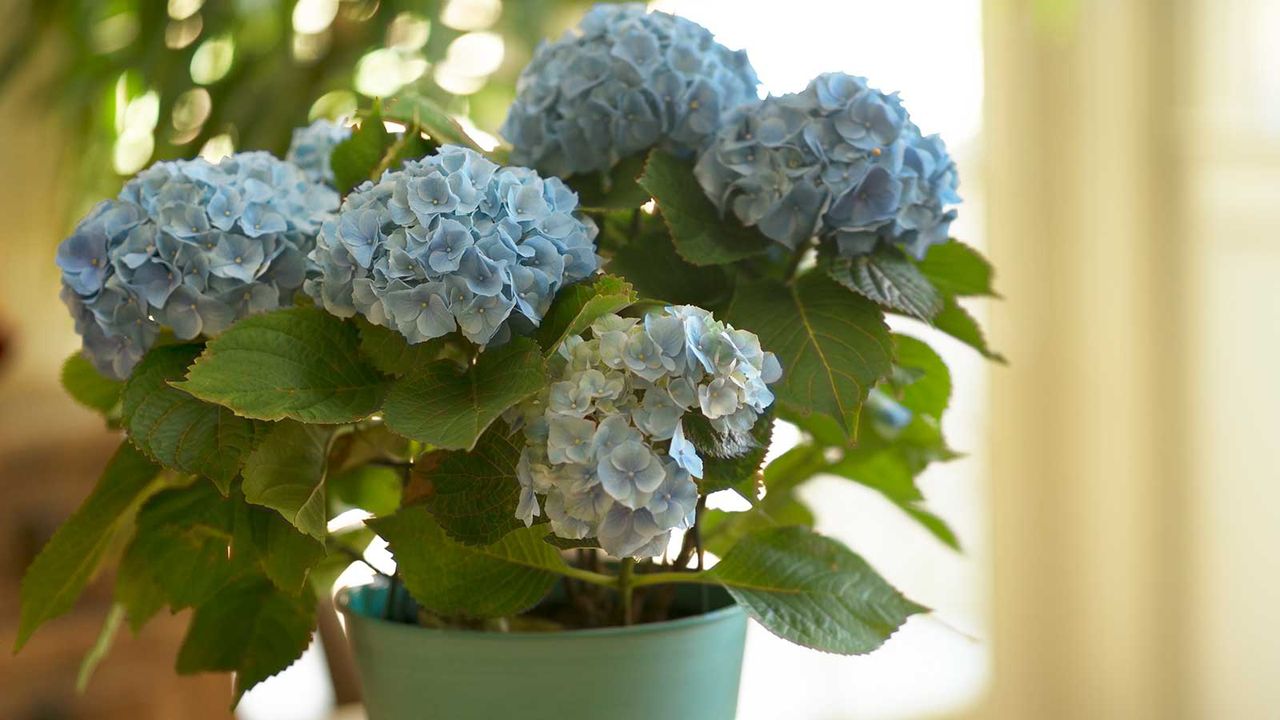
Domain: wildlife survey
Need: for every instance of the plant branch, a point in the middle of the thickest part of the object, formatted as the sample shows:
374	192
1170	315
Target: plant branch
664	578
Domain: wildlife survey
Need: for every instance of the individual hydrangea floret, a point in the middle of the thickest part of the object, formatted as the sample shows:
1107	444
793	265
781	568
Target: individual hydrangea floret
627	81
452	241
606	447
312	148
190	246
839	160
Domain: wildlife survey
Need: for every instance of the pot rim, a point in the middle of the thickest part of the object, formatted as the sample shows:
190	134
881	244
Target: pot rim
718	615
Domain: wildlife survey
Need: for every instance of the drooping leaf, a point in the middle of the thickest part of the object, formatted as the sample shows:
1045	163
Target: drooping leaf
58	575
354	159
957	269
179	430
250	628
101	647
701	234
412	108
389	351
137	591
812	591
182	544
890	472
649	261
833	344
284	554
286	473
887	277
930	390
577	306
439	405
955	321
616	189
300	363
472	495
88	387
452	579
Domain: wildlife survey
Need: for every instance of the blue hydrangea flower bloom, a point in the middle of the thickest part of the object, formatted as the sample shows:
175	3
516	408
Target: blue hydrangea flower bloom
606	454
190	246
312	147
839	160
452	241
627	81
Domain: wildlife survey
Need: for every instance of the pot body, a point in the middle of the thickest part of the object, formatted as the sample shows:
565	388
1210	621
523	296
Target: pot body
685	669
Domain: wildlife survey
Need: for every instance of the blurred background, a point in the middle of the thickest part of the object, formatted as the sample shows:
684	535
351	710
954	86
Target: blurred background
1120	161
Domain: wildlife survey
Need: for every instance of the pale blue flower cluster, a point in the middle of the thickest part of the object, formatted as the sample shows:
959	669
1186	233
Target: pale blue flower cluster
190	246
312	147
606	440
452	241
839	160
629	80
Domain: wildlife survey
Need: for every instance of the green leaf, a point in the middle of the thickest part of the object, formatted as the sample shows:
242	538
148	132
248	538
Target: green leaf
285	555
957	269
649	261
888	278
389	351
955	321
101	647
355	158
447	408
88	387
780	506
812	591
702	236
616	189
72	556
452	579
300	363
250	628
373	488
728	460
137	591
178	430
182	543
472	495
833	344
286	473
930	392
891	472
411	109
577	306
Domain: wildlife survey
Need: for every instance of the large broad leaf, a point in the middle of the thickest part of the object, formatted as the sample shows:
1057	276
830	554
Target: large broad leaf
889	472
957	269
178	430
285	555
472	495
300	363
929	390
250	628
649	261
812	590
833	344
137	590
389	351
451	579
354	159
616	189
729	459
447	408
69	561
577	306
88	387
286	473
888	278
414	109
182	546
702	236
955	321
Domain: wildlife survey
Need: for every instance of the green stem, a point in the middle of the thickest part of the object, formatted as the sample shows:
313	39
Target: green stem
626	587
594	578
663	578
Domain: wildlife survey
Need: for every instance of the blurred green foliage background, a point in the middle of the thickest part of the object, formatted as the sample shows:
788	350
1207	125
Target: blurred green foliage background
135	81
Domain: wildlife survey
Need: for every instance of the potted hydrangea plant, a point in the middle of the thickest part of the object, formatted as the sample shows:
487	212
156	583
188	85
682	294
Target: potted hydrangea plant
530	368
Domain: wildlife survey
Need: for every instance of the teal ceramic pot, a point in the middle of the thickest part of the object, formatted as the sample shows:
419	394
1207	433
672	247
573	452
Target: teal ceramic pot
685	669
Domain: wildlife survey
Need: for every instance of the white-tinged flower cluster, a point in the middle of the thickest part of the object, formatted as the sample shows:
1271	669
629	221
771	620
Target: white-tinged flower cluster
452	241
607	450
312	148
